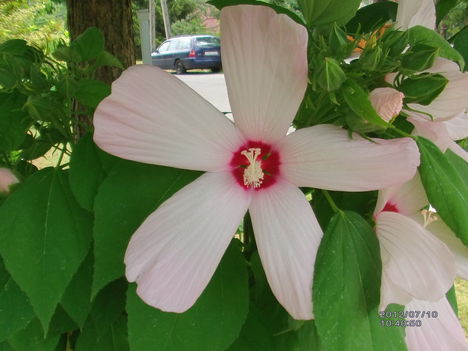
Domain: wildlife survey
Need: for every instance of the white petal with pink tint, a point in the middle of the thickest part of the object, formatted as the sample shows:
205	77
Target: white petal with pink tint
435	131
7	179
325	157
443	333
453	100
391	293
460	251
174	253
288	236
415	12
265	66
419	263
153	117
408	198
457	127
387	102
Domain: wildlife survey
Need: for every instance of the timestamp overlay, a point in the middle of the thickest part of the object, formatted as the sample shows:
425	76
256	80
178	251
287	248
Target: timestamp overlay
405	318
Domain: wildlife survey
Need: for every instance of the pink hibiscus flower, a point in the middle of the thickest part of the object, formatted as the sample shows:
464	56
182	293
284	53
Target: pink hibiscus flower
252	165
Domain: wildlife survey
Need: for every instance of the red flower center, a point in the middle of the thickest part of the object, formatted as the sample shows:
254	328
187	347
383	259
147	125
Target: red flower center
389	207
255	165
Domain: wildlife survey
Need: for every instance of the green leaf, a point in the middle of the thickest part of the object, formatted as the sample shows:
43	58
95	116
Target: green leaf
13	47
76	300
44	237
89	44
86	173
125	198
426	36
346	288
451	296
32	338
212	324
107	59
322	12
419	58
460	43
423	88
358	101
331	75
445	188
371	17
91	92
254	335
459	164
13	122
278	9
106	327
15	310
67	54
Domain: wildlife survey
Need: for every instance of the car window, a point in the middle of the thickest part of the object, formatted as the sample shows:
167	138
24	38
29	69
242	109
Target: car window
164	46
183	44
207	41
173	45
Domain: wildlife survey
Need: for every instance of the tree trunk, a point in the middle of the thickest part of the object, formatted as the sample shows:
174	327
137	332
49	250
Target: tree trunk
114	19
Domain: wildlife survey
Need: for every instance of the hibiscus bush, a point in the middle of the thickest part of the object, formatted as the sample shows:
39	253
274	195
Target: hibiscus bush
329	214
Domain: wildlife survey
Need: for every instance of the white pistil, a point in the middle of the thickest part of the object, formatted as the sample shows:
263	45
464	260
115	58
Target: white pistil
253	174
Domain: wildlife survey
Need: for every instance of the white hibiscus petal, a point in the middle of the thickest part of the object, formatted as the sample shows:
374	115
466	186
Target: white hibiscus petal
174	253
443	333
153	117
391	293
325	157
265	65
415	12
458	150
288	236
419	263
457	127
435	131
408	198
460	251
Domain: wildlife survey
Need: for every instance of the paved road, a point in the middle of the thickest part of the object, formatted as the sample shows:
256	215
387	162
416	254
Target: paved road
211	86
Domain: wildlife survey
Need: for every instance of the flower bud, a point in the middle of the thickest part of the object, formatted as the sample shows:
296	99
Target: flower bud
7	179
387	102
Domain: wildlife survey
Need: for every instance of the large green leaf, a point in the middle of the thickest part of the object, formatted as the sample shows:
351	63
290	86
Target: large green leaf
212	324
15	310
90	92
445	188
76	300
125	198
346	288
13	122
32	338
106	326
89	44
426	36
44	237
443	7
86	173
322	12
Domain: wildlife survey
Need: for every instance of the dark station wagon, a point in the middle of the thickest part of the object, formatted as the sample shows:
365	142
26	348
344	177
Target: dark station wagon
189	52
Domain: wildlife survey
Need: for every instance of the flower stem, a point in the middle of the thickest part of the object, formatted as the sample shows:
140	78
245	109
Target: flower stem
330	200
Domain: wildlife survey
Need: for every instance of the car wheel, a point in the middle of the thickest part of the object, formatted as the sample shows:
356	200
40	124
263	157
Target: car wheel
179	67
215	69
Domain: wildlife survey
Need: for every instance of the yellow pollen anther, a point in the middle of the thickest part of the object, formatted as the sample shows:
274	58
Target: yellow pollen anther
253	174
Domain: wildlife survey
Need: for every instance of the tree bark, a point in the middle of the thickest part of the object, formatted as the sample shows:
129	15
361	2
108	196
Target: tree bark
114	19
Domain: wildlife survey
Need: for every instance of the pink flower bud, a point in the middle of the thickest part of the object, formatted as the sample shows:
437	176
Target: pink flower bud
388	102
7	179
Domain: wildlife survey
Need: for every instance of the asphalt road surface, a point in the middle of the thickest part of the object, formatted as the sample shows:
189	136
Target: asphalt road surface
211	86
